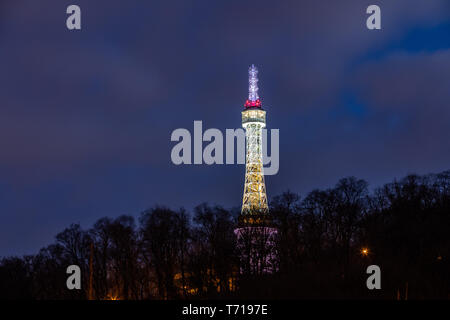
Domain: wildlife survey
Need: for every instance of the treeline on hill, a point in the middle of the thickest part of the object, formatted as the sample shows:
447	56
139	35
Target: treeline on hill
325	243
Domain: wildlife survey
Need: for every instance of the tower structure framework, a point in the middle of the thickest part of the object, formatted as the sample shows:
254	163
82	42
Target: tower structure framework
255	232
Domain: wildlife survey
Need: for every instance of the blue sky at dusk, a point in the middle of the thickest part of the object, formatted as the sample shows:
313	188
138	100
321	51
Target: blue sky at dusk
86	116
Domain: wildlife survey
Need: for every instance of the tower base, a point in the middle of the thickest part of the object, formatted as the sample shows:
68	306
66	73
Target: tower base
257	249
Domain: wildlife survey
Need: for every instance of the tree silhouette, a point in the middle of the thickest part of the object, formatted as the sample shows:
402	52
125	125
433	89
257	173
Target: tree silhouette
324	243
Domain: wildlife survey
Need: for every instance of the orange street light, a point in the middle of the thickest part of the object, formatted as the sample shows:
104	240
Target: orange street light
365	251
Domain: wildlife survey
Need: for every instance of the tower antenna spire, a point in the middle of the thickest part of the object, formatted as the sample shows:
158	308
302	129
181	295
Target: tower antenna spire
253	96
253	83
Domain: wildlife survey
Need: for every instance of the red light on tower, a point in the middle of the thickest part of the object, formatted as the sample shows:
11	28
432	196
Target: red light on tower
253	104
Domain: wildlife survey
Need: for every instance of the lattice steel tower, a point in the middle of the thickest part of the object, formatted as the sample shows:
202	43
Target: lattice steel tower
255	231
254	203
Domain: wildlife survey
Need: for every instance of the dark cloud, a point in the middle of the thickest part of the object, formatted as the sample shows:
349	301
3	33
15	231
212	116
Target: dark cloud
410	93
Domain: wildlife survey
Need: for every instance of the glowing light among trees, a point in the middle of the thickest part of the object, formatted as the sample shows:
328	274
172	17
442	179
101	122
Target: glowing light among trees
365	252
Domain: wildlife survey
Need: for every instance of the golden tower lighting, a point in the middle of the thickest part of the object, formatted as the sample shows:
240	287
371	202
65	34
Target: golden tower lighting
254	202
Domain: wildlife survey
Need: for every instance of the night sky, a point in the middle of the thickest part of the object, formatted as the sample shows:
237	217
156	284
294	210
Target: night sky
86	116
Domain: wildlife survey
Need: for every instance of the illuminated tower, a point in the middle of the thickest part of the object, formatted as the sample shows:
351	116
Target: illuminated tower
255	232
254	203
